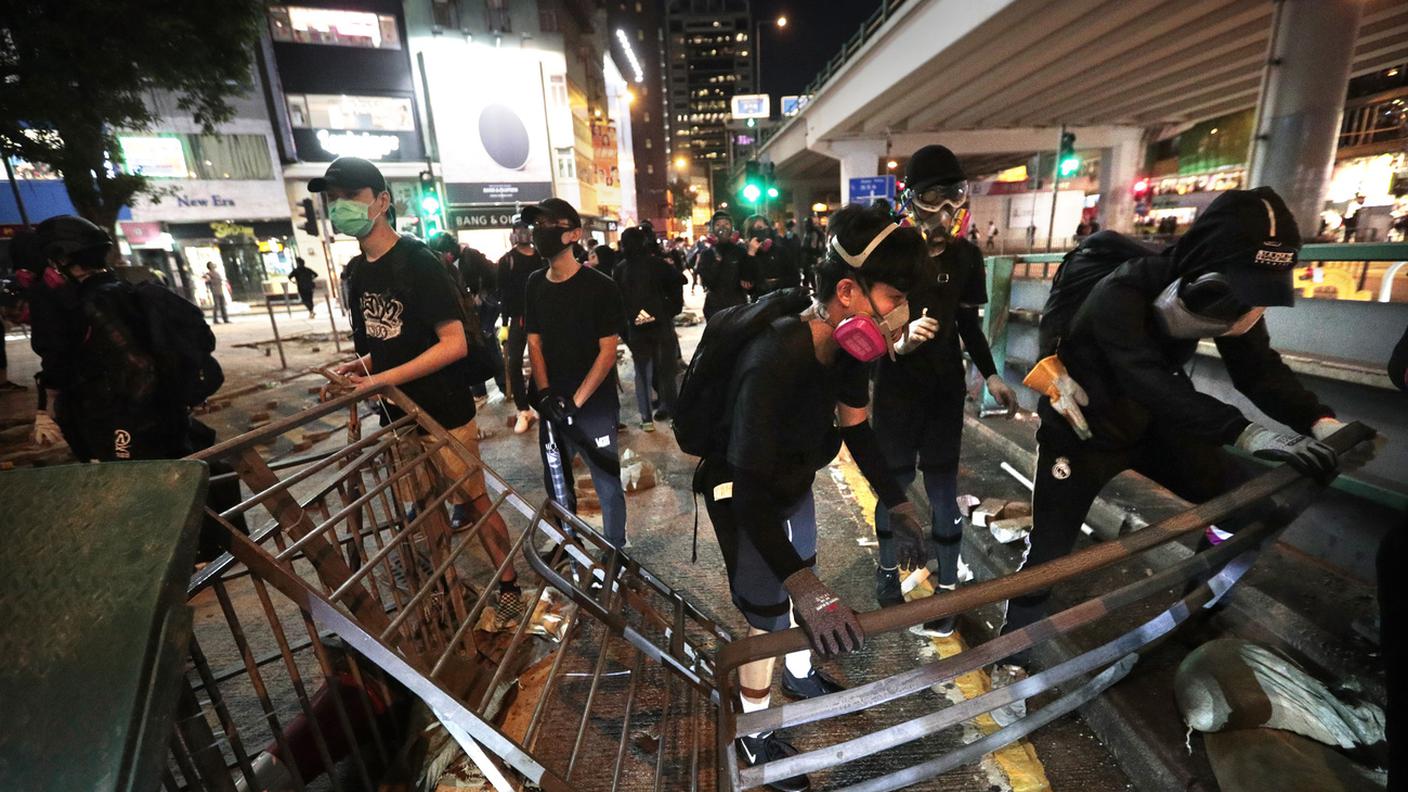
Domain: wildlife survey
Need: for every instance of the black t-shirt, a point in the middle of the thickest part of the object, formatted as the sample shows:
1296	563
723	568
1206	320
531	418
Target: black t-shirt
399	299
514	269
784	407
956	277
572	317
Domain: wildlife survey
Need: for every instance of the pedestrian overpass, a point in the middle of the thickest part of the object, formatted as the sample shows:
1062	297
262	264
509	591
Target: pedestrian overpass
995	80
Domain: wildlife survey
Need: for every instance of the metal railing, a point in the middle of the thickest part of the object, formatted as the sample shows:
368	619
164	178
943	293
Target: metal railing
353	621
1373	124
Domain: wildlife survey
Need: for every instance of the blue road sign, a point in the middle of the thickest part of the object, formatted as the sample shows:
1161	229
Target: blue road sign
868	189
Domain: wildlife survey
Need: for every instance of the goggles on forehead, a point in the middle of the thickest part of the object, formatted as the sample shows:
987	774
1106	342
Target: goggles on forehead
935	198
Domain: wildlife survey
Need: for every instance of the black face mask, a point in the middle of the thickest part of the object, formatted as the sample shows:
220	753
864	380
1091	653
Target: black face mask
548	240
759	234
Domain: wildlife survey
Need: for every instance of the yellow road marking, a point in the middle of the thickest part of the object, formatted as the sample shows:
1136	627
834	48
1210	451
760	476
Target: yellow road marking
1018	762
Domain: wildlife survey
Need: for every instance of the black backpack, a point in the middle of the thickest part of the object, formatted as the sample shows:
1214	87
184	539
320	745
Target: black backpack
1094	258
181	344
702	405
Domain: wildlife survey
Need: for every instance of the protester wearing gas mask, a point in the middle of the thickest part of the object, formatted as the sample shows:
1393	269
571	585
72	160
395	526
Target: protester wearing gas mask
515	266
722	266
769	265
1117	330
919	394
798	389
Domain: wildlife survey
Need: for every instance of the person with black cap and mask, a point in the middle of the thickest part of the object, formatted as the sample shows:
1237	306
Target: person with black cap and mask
919	395
573	316
409	331
1116	396
515	266
769	266
722	268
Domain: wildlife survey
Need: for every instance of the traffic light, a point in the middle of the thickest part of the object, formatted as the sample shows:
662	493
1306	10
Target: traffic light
1067	163
310	217
770	178
429	203
752	182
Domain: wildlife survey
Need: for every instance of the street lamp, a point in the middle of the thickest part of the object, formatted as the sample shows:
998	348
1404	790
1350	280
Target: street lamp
681	163
780	22
891	165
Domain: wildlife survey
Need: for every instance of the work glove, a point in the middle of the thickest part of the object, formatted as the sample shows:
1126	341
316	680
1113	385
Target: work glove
1306	454
911	551
46	432
830	624
1005	396
556	408
1356	457
503	333
925	328
1049	377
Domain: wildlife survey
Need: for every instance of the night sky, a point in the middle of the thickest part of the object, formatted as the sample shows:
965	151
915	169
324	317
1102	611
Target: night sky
792	56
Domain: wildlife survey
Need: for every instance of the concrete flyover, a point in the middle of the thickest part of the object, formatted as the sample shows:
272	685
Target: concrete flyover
1000	78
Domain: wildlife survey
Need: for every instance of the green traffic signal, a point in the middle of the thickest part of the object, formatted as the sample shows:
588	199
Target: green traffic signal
430	204
1069	166
772	192
751	192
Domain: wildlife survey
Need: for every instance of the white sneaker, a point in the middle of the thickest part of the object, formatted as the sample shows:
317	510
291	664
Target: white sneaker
1004	674
525	420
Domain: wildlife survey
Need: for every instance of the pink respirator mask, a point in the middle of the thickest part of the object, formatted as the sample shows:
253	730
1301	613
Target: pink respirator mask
862	336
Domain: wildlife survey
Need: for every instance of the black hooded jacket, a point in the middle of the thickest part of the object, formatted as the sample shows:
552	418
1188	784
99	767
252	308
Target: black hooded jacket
1134	374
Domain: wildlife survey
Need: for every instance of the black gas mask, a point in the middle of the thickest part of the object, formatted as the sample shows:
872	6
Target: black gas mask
1203	307
938	211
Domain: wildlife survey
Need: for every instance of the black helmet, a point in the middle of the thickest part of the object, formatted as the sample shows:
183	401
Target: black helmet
65	235
931	165
443	242
26	252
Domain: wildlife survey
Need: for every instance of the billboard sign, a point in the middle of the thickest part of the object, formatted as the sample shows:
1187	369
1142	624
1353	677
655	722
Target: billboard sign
745	106
792	105
498	150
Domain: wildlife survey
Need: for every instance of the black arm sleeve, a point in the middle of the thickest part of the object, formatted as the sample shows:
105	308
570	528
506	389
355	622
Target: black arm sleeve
870	458
970	329
758	513
359	324
1258	371
1398	363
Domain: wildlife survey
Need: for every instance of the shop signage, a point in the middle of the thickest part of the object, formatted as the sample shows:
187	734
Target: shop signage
488	217
141	233
366	145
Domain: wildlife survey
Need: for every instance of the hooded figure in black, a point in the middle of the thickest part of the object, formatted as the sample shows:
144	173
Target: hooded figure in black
768	260
1124	400
722	267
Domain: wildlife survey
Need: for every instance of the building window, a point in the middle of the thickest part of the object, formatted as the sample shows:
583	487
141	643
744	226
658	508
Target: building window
566	162
335	27
649	169
645	117
445	13
496	16
547	17
647	143
184	156
327	111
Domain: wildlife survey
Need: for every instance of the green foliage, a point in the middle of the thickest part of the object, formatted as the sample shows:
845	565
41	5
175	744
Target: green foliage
73	73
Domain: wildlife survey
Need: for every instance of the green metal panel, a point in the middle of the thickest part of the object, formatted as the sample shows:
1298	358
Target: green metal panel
999	284
93	602
1357	251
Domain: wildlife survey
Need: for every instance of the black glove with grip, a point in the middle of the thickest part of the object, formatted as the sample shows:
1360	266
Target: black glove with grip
830	624
1307	455
911	551
555	408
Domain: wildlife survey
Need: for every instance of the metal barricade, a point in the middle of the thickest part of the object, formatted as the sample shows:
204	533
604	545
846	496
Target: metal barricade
353	620
319	632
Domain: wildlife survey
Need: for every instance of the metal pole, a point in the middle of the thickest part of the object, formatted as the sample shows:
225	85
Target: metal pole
1055	189
332	318
283	361
288	305
15	188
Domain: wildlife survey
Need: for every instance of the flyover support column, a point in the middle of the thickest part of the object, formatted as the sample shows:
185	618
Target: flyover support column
1302	97
1119	167
858	158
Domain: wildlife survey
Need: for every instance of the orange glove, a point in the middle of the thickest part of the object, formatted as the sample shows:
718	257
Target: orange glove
1049	377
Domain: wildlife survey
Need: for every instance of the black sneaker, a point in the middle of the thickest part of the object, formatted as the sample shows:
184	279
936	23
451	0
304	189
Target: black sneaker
887	587
815	683
768	747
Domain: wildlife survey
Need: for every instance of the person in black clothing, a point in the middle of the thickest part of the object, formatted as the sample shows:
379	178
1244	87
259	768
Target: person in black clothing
473	277
303	277
919	396
648	286
514	268
769	265
721	267
573	316
798	390
1125	400
408	329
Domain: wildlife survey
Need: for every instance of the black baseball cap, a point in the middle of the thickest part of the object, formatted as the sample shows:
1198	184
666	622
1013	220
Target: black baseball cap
1252	238
931	165
550	209
349	173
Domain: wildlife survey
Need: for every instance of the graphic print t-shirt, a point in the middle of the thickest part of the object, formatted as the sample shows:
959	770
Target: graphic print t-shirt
399	299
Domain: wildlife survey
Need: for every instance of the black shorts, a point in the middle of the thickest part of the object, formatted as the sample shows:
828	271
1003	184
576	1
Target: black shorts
927	427
756	589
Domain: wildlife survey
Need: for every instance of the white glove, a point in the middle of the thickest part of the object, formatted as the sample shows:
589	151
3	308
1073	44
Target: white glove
925	328
1325	427
46	432
1049	377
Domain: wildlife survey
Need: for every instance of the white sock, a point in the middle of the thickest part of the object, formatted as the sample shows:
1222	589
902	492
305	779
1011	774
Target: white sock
755	705
799	664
